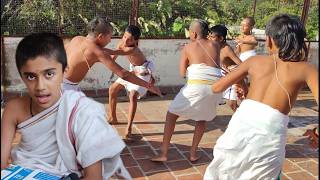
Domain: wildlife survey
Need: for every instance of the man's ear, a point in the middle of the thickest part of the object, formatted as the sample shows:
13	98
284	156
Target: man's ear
269	42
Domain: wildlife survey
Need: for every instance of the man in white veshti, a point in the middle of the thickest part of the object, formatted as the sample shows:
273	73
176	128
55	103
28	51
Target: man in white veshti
199	62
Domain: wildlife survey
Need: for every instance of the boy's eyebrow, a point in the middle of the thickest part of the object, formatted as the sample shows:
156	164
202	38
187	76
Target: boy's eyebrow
30	73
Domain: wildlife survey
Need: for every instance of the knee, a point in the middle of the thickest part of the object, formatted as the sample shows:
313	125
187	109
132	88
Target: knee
113	90
133	96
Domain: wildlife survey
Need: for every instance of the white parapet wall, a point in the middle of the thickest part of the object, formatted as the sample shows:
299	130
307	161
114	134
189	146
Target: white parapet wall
165	53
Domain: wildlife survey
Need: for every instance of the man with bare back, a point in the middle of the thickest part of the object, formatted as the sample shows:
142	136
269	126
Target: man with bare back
199	62
84	52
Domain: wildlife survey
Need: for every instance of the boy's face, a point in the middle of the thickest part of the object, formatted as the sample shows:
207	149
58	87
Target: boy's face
43	77
245	26
215	37
128	40
104	39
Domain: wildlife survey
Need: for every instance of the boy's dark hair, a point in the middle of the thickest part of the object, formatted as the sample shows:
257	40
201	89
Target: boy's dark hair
41	44
288	34
251	20
220	30
99	25
204	27
134	31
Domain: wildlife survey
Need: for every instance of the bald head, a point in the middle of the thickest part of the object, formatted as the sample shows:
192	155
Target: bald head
200	27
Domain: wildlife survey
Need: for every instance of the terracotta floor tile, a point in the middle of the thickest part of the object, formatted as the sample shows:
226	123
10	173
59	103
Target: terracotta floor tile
288	167
135	172
163	175
301	176
128	160
190	177
181	167
148	166
310	166
142	152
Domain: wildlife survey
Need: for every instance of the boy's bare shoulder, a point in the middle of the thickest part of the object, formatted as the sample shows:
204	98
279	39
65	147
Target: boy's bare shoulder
16	109
17	103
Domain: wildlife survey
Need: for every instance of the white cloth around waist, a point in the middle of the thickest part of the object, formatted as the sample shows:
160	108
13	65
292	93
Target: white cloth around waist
245	55
196	100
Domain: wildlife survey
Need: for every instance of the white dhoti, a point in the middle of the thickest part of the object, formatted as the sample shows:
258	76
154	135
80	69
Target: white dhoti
196	100
230	93
253	145
245	55
68	85
144	72
69	136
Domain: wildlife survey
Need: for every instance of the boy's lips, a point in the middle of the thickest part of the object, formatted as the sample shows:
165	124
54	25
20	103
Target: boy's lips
43	99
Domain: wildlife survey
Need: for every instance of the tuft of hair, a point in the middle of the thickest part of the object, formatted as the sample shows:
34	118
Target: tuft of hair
220	30
99	25
251	20
203	27
288	33
134	31
44	44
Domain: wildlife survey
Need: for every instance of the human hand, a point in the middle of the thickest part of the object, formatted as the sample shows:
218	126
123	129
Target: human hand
154	89
241	91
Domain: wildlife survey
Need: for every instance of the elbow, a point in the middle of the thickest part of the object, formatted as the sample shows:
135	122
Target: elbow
124	74
216	89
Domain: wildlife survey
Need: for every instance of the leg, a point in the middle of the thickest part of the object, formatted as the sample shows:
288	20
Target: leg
133	97
198	133
168	131
112	111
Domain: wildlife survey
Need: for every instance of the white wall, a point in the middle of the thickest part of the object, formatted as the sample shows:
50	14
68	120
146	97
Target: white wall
164	52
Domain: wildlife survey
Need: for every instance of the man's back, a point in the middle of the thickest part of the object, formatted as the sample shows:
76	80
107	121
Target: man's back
78	63
203	51
265	87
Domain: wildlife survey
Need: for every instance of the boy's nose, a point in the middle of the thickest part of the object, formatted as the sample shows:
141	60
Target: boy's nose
40	84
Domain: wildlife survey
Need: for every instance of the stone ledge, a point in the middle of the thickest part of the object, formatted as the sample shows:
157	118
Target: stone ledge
6	95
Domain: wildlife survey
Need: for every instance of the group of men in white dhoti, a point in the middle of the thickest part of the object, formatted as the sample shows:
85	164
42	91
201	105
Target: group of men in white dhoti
64	132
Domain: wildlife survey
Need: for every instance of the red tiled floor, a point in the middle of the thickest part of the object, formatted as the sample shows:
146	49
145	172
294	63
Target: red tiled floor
149	166
301	161
191	177
165	175
142	152
181	167
302	175
310	166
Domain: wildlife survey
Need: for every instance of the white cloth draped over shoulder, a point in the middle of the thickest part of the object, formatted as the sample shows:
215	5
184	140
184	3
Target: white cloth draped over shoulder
38	148
80	137
253	145
196	100
68	85
144	72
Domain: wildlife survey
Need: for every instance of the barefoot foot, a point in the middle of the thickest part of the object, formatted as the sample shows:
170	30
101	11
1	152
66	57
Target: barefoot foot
194	158
159	158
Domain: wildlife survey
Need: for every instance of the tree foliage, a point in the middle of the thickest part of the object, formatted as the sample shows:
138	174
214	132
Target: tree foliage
157	18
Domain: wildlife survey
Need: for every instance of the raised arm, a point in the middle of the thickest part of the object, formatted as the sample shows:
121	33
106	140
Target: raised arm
232	55
184	63
118	70
312	80
8	130
232	78
93	171
252	41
